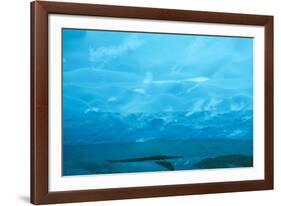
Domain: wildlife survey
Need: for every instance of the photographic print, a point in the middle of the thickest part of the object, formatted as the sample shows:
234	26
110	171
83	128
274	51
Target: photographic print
135	102
147	102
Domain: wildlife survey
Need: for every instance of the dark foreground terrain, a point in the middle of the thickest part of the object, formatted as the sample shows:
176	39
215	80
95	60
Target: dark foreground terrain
156	155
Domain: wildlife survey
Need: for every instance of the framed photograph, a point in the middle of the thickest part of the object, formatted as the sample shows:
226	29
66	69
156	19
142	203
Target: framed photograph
131	102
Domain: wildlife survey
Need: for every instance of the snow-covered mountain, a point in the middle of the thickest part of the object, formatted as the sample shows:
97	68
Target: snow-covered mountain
104	127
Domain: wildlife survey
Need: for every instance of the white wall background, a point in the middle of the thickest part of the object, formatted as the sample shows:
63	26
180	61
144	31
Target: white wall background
14	102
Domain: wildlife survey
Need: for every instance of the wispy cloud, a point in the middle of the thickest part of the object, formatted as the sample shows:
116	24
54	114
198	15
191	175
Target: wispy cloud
92	109
129	44
163	69
195	79
199	79
148	78
139	90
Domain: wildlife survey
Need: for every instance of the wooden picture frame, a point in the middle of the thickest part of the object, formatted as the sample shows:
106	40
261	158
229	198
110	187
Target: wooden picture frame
40	193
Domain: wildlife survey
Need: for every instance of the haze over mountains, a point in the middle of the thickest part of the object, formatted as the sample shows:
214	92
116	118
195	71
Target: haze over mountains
123	86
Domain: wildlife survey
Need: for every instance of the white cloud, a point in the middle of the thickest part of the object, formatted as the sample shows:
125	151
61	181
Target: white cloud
235	133
192	88
112	99
92	109
148	78
195	79
197	106
199	79
139	90
131	43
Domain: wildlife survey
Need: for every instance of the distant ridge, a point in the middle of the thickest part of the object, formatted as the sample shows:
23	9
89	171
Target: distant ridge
149	158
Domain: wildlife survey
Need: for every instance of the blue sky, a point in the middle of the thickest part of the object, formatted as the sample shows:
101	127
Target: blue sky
144	72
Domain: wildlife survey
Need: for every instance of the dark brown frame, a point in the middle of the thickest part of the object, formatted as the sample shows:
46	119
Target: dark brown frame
39	102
